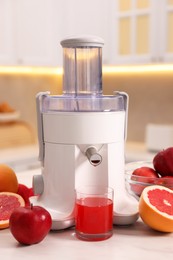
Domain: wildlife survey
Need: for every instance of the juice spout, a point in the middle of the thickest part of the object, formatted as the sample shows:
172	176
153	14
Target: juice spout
93	156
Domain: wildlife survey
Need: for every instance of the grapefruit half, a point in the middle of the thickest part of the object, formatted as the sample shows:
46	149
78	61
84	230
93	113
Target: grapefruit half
8	202
156	208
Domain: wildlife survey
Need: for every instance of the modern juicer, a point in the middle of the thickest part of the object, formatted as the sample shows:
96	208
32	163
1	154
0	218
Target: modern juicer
81	137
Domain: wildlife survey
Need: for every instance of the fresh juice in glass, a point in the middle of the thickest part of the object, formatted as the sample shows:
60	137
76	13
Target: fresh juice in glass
94	214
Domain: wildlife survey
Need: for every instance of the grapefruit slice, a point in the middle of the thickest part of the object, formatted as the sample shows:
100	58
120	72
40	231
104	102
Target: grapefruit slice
8	202
156	208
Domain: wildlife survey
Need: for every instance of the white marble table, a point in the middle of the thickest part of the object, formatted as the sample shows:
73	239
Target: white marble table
136	242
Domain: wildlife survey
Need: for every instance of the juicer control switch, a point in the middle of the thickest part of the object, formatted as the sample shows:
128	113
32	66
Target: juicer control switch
38	184
93	156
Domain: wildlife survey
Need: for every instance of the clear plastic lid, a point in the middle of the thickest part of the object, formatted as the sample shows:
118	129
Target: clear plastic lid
84	103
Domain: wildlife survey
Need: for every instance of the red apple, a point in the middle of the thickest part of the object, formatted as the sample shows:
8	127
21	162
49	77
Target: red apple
142	177
163	162
166	181
29	225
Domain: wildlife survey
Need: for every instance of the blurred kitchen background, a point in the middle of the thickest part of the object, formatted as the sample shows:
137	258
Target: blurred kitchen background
137	59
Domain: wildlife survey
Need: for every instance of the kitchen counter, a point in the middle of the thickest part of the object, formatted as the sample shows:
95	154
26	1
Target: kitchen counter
128	242
21	158
137	151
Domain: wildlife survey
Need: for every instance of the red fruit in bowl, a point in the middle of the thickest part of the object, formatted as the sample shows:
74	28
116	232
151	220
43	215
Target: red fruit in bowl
141	177
166	181
163	162
30	225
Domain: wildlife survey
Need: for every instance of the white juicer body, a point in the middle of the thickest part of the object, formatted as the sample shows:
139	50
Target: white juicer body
67	136
81	136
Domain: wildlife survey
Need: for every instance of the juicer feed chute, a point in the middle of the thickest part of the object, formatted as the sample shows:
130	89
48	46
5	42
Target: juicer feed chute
81	136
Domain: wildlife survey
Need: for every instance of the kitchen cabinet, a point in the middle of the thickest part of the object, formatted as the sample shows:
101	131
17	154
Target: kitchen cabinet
34	39
7	49
89	17
31	31
166	26
26	32
134	31
134	21
143	31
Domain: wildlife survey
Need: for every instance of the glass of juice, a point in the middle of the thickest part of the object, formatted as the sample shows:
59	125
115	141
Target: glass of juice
94	213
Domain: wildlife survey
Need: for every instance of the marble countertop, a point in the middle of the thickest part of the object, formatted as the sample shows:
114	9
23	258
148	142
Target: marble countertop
132	243
128	242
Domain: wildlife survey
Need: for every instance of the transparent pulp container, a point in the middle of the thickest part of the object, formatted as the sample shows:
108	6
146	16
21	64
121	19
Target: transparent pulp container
82	59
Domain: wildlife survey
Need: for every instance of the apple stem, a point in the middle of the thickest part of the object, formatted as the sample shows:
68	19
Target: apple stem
31	205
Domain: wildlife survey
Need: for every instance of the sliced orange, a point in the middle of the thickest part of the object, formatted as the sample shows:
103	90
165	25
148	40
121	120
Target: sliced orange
8	179
156	208
8	202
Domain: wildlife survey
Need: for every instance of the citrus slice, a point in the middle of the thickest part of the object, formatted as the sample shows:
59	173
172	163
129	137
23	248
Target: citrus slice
156	208
8	202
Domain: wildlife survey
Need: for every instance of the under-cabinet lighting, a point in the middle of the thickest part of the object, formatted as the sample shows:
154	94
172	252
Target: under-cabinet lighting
30	70
106	69
138	68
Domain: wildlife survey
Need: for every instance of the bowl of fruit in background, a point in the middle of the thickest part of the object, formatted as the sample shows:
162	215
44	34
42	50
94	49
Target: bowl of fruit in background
141	174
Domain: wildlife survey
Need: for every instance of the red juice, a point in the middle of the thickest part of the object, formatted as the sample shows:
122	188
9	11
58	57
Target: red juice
94	215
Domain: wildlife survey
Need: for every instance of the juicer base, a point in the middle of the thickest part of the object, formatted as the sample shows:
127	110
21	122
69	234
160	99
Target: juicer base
118	219
58	223
123	219
62	224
